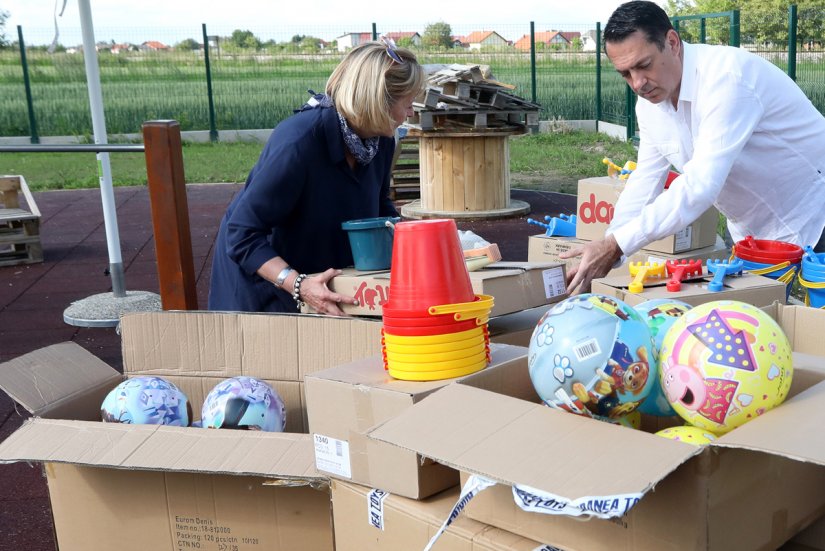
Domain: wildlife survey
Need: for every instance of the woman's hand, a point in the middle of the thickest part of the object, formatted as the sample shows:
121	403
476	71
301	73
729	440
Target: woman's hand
315	293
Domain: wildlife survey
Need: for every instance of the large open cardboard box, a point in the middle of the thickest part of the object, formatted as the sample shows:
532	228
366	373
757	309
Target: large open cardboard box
753	488
345	401
594	208
139	487
370	520
515	285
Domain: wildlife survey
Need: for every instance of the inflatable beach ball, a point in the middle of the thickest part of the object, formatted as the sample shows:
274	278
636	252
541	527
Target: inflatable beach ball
592	355
146	401
659	314
244	403
688	434
724	363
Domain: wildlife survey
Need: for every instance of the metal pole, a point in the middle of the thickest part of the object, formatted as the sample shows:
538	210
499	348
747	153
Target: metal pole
213	127
29	101
533	58
598	74
374	32
792	19
107	195
734	28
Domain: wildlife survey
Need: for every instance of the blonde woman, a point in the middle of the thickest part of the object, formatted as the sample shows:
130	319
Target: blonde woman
328	163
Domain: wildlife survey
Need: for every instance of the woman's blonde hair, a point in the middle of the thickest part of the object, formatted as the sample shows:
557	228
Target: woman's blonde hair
367	83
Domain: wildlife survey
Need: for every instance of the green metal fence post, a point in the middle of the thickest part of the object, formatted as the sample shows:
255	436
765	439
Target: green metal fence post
533	59
703	32
598	74
792	20
34	137
734	28
374	32
628	99
213	128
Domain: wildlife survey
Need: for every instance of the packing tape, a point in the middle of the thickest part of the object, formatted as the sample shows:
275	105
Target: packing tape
474	485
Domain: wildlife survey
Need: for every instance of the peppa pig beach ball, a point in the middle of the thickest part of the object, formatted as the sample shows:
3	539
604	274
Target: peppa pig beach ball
724	363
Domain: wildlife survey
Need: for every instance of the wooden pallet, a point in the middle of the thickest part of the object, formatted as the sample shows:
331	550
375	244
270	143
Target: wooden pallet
474	118
405	182
19	227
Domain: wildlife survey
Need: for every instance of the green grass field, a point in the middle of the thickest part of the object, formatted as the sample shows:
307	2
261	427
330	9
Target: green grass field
553	162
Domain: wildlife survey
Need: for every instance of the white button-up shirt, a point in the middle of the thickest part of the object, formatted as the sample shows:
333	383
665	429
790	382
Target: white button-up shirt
745	138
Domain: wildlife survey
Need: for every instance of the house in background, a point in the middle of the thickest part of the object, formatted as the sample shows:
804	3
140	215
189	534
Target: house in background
347	41
153	46
589	41
413	37
548	38
477	40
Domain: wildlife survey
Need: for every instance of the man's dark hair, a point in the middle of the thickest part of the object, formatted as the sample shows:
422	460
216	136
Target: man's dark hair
639	15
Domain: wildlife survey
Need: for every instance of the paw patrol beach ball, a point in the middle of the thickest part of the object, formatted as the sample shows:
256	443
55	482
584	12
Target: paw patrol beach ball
244	403
659	314
724	363
146	401
592	355
688	434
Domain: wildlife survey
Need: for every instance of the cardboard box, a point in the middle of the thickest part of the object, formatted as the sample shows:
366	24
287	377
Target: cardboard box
753	488
344	402
366	519
753	289
515	286
594	207
138	487
547	249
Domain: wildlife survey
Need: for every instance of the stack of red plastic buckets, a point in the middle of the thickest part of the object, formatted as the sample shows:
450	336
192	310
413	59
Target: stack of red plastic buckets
774	259
813	278
435	327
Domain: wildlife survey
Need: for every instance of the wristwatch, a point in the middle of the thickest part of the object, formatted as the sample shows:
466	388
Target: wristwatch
279	281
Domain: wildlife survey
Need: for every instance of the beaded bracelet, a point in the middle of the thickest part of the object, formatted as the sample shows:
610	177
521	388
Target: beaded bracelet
296	290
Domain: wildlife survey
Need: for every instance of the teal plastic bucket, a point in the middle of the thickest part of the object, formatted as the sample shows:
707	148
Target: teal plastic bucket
778	273
371	242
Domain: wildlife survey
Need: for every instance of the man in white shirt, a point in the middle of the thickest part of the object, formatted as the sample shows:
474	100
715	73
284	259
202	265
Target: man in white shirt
741	132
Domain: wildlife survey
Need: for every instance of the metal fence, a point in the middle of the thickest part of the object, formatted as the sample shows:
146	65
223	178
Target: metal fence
252	81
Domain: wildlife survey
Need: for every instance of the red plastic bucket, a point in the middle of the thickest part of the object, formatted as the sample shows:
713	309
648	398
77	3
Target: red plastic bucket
428	266
767	251
407	331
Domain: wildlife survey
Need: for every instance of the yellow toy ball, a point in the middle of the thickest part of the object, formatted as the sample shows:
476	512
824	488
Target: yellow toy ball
724	363
688	434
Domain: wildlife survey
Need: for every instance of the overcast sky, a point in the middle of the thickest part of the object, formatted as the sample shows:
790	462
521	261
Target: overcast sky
174	20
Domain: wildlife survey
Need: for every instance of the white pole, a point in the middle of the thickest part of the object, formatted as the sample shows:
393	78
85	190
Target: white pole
107	195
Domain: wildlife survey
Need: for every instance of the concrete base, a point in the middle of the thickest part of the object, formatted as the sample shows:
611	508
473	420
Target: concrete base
415	211
105	309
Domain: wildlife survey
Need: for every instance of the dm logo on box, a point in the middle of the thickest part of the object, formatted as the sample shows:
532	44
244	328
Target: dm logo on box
591	211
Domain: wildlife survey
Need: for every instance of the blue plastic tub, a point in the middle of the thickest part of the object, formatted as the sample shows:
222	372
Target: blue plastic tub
774	274
371	242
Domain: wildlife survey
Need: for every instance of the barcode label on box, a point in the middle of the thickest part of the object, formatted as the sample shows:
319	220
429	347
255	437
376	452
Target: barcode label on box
332	455
682	239
554	284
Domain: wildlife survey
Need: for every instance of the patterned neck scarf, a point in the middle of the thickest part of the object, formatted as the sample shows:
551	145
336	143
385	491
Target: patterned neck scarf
363	150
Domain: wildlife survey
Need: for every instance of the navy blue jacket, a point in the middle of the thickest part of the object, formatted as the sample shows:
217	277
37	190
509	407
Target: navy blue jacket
294	201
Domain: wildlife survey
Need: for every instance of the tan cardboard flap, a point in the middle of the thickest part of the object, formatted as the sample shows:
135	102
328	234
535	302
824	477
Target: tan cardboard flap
792	430
48	378
517	442
162	448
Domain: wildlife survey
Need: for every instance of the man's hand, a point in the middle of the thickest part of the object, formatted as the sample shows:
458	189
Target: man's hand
315	293
598	257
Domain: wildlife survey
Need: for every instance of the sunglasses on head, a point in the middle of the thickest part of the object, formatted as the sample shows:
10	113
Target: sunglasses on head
391	50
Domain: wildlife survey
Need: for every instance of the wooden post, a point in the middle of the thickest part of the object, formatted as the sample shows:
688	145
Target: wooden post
170	215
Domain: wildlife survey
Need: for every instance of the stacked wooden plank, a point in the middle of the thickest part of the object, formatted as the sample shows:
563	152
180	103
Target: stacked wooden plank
19	224
466	97
406	170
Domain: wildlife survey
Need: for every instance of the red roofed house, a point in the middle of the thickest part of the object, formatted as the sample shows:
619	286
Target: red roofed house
348	41
548	38
484	39
413	37
153	45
